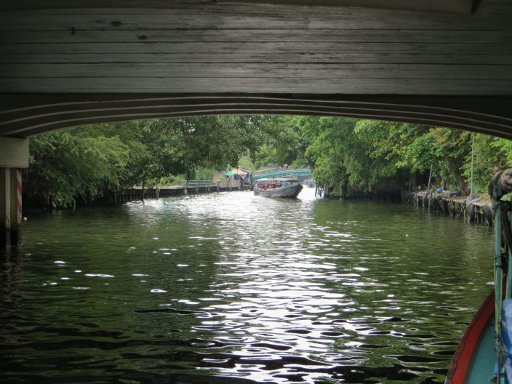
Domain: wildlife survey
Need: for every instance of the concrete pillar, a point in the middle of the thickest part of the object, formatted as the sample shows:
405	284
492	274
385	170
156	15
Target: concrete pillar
13	157
10	207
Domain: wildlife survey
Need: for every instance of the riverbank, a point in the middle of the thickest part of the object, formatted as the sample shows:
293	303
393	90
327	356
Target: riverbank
476	210
471	209
137	193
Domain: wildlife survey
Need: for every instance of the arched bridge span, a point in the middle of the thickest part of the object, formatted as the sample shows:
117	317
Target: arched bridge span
42	113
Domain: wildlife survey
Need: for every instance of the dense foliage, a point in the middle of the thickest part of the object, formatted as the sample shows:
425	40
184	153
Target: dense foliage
348	156
84	163
367	155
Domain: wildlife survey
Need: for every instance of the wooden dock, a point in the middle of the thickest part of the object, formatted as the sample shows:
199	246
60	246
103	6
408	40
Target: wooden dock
193	187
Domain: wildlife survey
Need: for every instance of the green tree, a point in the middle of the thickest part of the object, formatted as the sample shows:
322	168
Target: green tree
70	165
348	155
139	166
282	142
415	148
330	150
452	148
182	145
489	154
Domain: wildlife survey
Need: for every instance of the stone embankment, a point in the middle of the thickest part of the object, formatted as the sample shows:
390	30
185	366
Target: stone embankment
468	208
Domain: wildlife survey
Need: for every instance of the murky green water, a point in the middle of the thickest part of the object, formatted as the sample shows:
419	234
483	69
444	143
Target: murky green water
233	288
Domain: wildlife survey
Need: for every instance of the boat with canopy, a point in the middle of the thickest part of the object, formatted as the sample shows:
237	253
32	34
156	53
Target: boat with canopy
278	187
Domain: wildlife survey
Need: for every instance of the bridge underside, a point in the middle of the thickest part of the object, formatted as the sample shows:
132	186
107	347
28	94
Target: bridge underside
66	63
28	115
433	62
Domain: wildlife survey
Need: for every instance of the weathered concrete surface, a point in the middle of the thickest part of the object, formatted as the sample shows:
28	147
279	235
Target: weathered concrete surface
14	153
10	207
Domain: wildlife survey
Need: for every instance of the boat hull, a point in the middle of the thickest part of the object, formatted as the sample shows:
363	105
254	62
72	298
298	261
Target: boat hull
290	191
475	358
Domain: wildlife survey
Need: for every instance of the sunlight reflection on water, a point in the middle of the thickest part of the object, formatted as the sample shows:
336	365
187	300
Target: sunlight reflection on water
240	286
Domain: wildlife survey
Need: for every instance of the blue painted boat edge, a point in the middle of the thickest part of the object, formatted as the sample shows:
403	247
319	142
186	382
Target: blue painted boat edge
475	358
482	365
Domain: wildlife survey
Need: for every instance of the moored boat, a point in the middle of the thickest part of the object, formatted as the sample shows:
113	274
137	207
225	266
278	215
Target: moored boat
484	354
278	187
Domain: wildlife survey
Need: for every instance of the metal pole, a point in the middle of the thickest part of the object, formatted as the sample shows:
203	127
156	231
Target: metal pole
428	187
498	277
472	165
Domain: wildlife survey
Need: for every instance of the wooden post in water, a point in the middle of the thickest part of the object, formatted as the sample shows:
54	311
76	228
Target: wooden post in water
429	193
326	191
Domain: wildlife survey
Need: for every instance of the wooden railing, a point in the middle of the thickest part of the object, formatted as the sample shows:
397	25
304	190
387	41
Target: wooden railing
282	173
200	183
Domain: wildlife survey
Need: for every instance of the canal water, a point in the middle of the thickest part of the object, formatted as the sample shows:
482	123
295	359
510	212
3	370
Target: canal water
234	288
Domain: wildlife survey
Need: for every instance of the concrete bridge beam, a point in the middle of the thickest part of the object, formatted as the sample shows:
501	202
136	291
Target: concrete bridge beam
14	157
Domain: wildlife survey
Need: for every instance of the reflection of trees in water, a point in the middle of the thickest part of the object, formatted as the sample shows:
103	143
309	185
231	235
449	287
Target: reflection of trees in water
10	294
10	269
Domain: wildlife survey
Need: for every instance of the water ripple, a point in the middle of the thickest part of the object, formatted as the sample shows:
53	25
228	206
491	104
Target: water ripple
232	288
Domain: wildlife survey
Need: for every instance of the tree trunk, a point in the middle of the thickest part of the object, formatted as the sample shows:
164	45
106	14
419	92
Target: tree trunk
326	191
344	187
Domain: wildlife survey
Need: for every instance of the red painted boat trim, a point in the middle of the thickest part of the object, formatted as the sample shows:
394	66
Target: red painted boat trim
469	342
